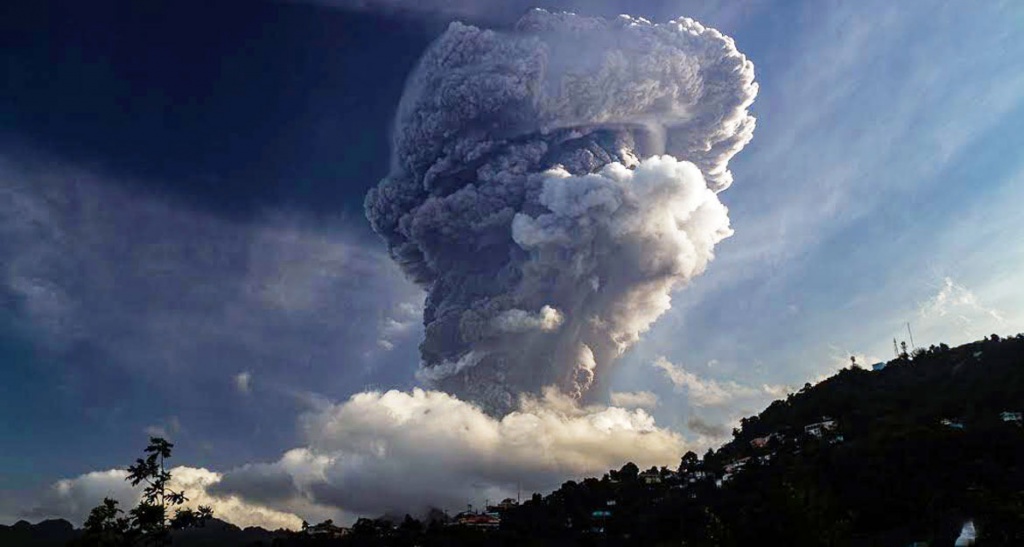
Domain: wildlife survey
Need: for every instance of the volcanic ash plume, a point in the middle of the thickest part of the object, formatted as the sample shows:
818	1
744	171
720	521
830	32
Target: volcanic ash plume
550	186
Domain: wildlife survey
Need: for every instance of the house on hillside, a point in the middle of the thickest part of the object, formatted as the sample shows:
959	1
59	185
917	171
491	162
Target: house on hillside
326	529
1011	417
952	424
600	517
968	535
650	477
736	465
762	442
477	520
819	429
696	476
878	366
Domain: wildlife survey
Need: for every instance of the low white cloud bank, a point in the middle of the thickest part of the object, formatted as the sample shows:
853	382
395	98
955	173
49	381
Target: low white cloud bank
409	451
74	498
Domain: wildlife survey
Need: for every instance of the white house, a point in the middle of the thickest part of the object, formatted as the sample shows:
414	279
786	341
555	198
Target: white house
1011	417
953	424
968	535
698	476
818	429
651	476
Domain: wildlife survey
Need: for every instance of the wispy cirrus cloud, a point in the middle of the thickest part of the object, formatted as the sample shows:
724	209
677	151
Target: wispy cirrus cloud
706	392
957	300
159	287
140	307
634	399
958	307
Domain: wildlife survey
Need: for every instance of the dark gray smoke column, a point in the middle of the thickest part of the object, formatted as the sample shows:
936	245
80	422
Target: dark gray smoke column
552	185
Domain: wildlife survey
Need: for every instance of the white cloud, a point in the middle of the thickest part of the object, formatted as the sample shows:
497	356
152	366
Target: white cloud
634	399
402	323
166	430
407	451
74	498
243	382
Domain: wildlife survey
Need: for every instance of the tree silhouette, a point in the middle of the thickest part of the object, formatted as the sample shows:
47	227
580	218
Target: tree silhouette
689	462
105	526
147	523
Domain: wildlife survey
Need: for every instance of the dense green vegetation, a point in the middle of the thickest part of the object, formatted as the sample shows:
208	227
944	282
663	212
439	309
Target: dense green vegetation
915	450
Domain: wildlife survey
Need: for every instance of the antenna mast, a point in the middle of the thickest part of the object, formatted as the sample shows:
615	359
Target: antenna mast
912	345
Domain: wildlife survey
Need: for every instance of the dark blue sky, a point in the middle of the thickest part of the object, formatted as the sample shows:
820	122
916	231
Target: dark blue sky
232	106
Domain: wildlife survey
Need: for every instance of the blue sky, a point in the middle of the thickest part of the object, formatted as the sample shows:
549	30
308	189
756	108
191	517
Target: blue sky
184	250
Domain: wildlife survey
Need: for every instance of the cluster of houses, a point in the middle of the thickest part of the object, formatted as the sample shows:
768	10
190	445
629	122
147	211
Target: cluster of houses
1012	417
826	429
325	529
1016	418
490	517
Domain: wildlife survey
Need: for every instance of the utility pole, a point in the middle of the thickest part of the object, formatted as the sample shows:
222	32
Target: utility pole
912	345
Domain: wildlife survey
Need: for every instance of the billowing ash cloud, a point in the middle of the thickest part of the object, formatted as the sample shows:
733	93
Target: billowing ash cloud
567	169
